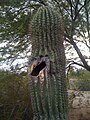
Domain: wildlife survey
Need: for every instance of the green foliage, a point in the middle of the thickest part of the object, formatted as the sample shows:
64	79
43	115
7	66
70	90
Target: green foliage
83	85
14	97
83	82
82	79
16	15
79	73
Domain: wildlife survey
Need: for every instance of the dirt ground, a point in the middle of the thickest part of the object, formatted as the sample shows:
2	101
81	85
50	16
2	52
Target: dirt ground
79	114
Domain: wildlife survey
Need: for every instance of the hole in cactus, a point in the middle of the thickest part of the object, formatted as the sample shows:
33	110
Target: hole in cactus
38	68
41	56
46	55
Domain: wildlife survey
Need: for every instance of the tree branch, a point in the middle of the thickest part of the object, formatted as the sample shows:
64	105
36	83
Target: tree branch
85	65
77	13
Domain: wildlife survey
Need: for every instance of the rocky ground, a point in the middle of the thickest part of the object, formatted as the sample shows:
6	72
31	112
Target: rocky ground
79	104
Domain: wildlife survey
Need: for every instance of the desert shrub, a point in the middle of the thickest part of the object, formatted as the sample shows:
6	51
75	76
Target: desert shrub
79	73
82	79
14	97
83	85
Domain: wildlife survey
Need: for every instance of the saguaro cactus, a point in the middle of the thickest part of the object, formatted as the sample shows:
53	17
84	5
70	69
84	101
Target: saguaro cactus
47	70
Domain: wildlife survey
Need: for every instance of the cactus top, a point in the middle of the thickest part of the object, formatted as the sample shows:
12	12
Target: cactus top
46	29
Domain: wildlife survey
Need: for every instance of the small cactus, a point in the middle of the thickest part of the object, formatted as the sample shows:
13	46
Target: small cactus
48	85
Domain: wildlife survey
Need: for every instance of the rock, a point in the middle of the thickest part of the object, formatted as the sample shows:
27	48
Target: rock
79	104
79	99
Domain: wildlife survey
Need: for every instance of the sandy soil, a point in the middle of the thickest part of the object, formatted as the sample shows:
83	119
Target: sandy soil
79	114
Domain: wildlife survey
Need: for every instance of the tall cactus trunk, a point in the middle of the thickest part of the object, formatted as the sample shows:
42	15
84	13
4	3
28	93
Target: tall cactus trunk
47	71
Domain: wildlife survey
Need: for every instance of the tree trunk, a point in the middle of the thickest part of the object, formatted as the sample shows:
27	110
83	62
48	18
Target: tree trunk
47	70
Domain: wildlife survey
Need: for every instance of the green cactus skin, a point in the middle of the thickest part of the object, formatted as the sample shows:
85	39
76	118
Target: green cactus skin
49	102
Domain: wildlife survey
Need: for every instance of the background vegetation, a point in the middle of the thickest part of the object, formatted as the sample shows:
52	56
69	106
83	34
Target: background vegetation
14	97
81	79
15	93
16	16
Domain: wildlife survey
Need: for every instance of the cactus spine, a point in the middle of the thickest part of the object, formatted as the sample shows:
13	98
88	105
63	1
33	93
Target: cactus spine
49	97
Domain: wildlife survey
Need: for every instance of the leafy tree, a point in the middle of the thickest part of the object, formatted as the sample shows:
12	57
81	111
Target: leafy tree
14	27
76	20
